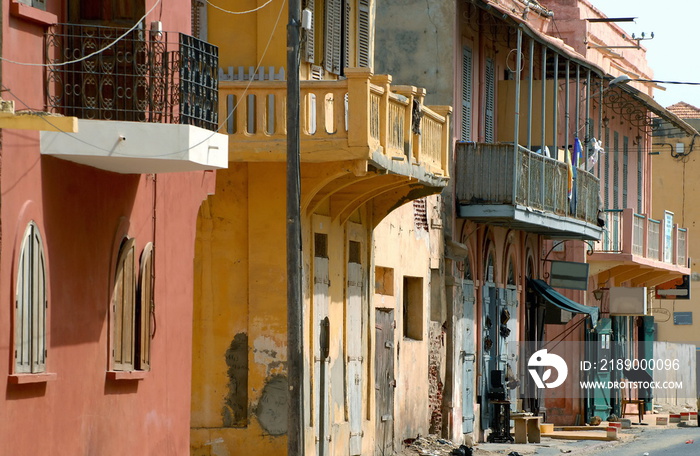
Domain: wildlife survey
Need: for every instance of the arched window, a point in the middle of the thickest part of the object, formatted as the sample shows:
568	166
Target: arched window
145	310
124	308
489	268
511	273
31	304
132	308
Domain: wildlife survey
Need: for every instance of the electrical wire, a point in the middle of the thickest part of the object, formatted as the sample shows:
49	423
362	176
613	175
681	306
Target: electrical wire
239	12
224	122
99	51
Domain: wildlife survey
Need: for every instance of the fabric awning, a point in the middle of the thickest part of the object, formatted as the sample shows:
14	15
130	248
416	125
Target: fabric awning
555	298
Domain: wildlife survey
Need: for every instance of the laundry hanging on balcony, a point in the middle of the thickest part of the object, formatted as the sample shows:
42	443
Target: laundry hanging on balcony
555	298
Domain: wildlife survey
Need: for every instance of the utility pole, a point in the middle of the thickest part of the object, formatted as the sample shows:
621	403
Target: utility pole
295	372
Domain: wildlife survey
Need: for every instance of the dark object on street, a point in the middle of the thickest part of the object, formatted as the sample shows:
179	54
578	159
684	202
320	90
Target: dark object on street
444	442
463	450
514	453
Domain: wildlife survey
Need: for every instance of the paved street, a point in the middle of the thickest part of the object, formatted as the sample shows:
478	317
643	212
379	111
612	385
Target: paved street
655	441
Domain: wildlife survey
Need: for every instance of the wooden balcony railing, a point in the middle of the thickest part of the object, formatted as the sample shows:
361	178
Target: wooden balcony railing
628	232
493	174
339	120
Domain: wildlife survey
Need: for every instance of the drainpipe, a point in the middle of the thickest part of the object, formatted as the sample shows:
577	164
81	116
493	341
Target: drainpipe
555	97
578	98
516	151
567	108
295	372
531	71
588	105
544	116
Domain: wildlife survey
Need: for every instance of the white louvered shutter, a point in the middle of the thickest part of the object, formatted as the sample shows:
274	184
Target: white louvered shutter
347	29
363	34
490	78
333	36
309	46
466	127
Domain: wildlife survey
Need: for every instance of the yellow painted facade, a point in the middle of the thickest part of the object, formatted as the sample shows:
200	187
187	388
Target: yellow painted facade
362	157
675	169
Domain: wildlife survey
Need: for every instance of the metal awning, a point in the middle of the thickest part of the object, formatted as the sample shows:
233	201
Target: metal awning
555	298
657	109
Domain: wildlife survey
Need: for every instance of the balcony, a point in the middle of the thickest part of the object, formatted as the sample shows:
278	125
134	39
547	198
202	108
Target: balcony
637	248
361	117
525	191
146	101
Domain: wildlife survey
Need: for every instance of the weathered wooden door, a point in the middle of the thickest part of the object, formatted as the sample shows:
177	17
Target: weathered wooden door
468	356
321	329
384	381
354	354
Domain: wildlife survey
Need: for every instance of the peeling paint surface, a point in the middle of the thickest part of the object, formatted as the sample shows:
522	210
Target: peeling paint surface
267	352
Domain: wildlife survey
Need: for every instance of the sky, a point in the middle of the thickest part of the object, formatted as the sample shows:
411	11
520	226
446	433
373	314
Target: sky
673	53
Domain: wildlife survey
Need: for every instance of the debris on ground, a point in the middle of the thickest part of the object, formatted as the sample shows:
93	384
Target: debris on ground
432	445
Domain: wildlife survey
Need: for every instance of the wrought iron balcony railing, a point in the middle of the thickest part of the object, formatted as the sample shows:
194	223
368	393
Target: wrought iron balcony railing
494	174
627	232
139	76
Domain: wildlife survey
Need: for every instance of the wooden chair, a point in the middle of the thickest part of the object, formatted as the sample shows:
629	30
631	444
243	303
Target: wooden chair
626	400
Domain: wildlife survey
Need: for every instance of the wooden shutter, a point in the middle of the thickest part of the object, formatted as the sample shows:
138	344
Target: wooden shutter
199	19
38	302
354	381
333	36
347	29
309	49
30	305
123	298
466	127
490	78
23	363
363	34
144	309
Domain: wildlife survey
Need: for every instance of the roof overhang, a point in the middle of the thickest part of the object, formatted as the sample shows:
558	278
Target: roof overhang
553	44
657	109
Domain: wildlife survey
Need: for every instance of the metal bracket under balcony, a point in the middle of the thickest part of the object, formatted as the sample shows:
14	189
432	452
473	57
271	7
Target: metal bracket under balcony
525	191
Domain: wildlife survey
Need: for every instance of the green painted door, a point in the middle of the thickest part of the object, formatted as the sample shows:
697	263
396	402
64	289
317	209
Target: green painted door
599	347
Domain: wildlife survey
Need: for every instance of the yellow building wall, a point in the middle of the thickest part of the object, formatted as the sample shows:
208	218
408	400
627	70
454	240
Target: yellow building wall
252	38
240	318
674	184
240	313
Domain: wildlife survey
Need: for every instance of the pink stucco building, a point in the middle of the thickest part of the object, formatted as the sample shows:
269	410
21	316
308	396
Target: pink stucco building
98	214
